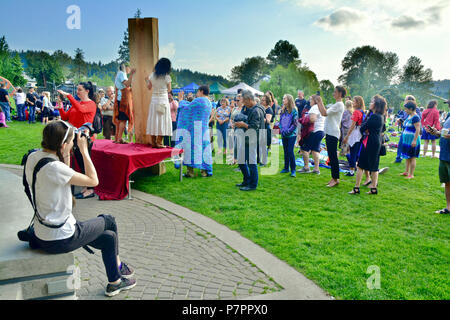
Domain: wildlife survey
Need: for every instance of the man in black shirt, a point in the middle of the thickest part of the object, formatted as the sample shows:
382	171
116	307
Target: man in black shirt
4	102
31	103
248	151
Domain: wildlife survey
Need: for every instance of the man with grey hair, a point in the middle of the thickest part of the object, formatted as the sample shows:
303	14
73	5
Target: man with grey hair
4	102
250	141
107	107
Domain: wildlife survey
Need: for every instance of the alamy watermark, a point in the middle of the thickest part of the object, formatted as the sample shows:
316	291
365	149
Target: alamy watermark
73	22
374	281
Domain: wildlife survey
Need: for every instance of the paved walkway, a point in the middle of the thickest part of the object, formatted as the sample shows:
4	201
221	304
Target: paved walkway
179	254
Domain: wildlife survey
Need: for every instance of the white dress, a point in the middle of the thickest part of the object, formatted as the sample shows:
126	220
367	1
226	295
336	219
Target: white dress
158	123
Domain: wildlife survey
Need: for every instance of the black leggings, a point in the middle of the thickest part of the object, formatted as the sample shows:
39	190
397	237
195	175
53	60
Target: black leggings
332	145
99	233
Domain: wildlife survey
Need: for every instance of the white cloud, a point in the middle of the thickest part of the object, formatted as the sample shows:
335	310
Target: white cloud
168	51
342	18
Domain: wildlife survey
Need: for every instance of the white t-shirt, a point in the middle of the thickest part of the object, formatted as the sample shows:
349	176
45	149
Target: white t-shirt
120	78
333	119
20	98
320	122
53	196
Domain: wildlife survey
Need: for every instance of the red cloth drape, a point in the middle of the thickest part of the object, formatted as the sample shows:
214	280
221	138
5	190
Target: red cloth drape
115	163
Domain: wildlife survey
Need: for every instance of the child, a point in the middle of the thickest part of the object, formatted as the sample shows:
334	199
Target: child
2	119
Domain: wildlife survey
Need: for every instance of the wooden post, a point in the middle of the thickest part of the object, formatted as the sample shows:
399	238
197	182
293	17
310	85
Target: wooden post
144	53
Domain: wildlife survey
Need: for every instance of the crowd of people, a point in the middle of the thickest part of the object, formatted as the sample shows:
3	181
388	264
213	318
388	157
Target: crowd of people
247	127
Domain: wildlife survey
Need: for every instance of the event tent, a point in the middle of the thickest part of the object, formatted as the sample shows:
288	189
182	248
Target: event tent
243	86
216	88
193	87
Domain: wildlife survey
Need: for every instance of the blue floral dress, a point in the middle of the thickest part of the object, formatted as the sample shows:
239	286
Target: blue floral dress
409	131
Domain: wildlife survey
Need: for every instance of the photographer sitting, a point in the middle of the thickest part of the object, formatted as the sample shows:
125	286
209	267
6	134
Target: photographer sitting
81	112
56	230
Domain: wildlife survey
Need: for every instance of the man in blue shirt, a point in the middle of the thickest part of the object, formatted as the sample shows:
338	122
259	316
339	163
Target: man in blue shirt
300	102
444	159
4	102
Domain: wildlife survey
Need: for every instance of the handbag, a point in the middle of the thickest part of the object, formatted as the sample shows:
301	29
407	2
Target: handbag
161	108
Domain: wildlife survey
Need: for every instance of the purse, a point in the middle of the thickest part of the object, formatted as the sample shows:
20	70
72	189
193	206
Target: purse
161	109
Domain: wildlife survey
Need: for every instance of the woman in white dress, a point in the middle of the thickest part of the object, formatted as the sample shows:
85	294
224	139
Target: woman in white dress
159	123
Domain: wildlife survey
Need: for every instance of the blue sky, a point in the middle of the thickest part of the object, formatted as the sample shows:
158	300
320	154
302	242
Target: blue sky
213	36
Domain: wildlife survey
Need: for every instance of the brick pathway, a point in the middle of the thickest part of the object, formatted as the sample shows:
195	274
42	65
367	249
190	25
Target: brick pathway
172	258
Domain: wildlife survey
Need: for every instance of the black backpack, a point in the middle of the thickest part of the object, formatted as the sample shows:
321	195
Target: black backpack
98	122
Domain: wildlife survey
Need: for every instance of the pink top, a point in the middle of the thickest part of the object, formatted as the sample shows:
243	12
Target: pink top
3	120
173	110
430	117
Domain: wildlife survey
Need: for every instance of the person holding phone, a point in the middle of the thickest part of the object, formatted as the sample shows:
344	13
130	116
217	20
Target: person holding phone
444	159
56	231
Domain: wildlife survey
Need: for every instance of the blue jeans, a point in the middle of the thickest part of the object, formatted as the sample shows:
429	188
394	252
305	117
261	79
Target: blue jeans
31	114
250	172
353	156
289	157
7	110
21	112
222	136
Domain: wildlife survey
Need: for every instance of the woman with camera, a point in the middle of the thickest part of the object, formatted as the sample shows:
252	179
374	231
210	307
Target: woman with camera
81	112
56	230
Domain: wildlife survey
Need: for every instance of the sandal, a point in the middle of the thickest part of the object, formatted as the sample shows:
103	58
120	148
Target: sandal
367	184
373	191
355	191
443	211
405	174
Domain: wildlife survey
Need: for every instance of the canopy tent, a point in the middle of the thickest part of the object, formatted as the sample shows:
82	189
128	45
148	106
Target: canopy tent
243	86
193	87
216	88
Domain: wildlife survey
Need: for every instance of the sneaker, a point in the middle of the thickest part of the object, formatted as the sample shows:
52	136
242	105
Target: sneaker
125	284
303	170
126	271
350	174
316	172
293	175
384	170
284	171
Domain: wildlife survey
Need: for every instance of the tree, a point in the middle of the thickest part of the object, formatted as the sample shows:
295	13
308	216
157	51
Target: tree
368	70
415	79
80	67
289	80
250	70
326	91
11	67
44	68
284	54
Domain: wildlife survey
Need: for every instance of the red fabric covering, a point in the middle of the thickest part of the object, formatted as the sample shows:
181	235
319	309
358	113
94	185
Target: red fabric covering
116	162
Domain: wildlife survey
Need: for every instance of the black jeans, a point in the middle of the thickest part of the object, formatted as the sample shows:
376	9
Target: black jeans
332	145
99	233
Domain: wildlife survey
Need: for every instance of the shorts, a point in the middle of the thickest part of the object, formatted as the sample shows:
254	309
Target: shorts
312	143
444	171
45	112
122	116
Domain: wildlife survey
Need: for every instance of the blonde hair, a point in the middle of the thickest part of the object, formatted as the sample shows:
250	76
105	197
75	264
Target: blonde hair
349	105
359	103
227	103
410	98
291	104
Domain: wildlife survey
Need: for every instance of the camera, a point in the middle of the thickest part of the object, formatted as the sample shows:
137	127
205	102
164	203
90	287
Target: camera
85	127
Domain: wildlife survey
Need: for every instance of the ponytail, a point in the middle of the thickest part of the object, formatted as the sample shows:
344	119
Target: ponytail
89	87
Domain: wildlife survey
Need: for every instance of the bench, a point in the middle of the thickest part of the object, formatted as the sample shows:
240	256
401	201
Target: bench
27	274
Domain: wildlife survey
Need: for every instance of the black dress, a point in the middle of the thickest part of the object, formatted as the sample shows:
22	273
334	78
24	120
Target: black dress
369	158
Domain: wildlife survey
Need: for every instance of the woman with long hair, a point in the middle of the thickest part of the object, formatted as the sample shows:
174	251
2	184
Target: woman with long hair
223	113
46	107
56	230
430	118
159	122
369	158
81	112
288	130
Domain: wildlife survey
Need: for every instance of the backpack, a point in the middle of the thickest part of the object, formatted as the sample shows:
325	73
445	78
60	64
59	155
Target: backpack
97	124
286	121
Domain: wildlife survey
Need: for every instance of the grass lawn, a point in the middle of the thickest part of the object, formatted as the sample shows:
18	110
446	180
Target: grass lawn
331	237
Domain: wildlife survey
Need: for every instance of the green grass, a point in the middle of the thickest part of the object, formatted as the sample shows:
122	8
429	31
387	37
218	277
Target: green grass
328	235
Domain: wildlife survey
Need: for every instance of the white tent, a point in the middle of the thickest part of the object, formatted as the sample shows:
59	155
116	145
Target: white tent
243	86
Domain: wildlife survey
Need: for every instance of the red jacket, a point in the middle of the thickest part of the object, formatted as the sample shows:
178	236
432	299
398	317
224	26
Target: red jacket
430	117
80	112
